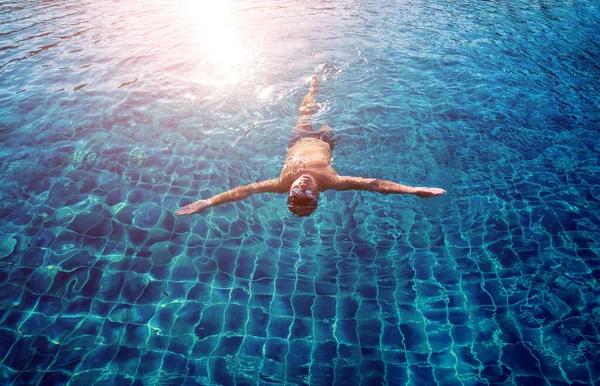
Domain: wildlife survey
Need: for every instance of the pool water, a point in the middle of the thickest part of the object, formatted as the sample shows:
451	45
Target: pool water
115	114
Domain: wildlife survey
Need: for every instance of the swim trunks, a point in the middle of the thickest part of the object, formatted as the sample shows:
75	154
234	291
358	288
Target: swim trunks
326	136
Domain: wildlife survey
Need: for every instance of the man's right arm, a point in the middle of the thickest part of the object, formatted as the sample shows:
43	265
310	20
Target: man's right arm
383	186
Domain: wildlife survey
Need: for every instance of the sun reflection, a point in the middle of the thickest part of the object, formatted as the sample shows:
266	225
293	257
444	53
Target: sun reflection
213	25
265	92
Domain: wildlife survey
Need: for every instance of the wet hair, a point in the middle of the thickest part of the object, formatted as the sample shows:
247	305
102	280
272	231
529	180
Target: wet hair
302	206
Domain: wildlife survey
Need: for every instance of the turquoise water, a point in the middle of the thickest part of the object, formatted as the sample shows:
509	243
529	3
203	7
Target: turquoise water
114	114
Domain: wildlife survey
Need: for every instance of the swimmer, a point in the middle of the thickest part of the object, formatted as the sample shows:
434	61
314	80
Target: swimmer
307	171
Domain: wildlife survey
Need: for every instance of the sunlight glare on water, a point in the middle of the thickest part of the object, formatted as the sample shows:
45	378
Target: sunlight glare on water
215	34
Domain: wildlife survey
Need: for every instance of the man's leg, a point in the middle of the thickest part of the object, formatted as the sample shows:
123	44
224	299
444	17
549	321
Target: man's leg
327	135
325	129
304	123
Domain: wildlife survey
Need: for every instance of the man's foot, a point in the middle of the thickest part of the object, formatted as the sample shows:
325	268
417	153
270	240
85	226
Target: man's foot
308	103
314	84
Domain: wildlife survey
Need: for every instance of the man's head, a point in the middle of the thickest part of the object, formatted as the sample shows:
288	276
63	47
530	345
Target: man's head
304	196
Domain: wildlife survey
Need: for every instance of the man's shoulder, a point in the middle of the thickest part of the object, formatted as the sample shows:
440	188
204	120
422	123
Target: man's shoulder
328	179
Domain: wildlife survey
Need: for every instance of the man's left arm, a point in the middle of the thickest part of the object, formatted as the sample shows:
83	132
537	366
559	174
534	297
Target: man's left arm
232	195
383	186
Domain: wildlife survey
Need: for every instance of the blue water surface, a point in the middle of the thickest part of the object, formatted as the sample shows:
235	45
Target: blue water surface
115	114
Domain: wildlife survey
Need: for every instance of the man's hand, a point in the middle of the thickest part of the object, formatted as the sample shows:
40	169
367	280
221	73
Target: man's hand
195	207
429	192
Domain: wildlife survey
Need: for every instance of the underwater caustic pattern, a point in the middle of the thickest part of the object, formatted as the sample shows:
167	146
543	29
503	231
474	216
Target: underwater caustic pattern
115	114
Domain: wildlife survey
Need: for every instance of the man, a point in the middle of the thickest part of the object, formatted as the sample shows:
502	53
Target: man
307	171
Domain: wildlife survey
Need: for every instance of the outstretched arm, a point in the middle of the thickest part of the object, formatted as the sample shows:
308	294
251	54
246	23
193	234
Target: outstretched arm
383	186
232	195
